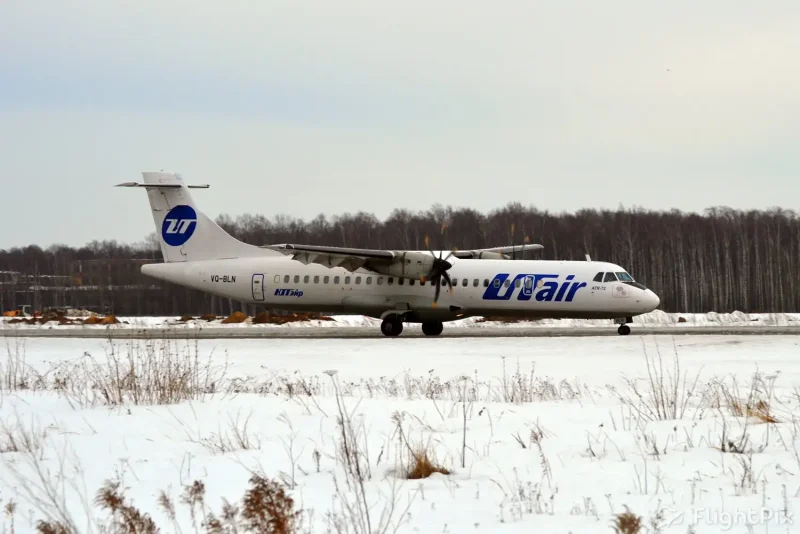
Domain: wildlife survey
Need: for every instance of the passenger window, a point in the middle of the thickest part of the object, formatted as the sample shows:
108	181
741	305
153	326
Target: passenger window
369	280
485	282
358	279
475	282
277	279
507	283
347	280
391	280
286	279
464	282
297	279
517	282
528	282
316	279
380	280
400	281
335	279
598	277
411	282
305	279
610	277
326	279
497	282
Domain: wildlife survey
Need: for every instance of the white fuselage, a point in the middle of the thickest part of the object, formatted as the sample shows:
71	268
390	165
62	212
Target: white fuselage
529	288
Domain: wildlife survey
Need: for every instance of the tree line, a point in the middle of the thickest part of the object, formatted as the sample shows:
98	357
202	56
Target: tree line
719	260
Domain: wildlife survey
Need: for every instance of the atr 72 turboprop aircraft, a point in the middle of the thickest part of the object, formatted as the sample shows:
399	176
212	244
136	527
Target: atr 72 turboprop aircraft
396	286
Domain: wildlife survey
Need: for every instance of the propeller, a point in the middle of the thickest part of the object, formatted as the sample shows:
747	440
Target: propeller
513	240
438	270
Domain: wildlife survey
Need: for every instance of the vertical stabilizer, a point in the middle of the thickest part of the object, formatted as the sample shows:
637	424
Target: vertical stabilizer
184	232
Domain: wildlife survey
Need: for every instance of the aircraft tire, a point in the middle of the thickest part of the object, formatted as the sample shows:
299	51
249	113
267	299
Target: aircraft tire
433	328
392	326
624	330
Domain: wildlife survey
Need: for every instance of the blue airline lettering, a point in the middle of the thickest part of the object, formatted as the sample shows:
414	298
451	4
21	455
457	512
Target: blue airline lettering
545	287
288	293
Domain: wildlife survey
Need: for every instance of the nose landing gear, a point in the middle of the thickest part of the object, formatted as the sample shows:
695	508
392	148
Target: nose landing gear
624	329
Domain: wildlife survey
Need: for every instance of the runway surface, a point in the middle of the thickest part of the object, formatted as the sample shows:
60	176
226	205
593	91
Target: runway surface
356	332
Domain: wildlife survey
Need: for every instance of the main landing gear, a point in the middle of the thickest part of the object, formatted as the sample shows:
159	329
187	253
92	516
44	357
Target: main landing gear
432	329
392	326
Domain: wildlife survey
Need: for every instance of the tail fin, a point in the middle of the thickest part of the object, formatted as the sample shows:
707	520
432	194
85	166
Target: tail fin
184	232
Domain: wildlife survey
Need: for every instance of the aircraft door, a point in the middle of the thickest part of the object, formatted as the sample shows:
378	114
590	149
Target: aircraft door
258	287
618	289
527	286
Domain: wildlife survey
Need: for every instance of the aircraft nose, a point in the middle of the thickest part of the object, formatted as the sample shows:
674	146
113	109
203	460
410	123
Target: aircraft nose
652	299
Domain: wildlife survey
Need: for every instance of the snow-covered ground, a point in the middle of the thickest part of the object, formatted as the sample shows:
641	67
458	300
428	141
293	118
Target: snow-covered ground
657	318
547	435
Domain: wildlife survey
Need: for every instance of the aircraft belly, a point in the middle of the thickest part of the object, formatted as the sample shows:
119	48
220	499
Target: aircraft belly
368	301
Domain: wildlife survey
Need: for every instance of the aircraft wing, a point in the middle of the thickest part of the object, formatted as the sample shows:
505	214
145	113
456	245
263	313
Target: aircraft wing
356	258
349	258
505	251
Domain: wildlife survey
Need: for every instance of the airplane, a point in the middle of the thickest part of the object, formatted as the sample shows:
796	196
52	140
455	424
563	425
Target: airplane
394	286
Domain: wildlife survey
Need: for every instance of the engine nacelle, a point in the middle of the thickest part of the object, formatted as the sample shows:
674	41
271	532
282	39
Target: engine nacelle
411	265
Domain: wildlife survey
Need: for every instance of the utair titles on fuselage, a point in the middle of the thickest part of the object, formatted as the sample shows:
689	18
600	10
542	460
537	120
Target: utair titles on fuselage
396	286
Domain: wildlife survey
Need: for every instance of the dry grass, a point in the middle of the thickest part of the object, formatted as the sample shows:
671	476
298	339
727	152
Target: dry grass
15	437
265	508
278	318
147	373
423	466
235	317
667	394
237	437
627	523
757	404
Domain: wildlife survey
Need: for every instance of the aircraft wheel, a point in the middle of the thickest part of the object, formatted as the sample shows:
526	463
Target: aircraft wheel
624	330
432	329
392	326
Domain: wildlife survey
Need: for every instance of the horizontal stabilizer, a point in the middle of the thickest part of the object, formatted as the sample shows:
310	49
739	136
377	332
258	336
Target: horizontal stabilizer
162	186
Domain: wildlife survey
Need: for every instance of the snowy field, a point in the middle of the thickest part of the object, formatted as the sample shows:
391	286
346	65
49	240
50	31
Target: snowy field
554	435
655	319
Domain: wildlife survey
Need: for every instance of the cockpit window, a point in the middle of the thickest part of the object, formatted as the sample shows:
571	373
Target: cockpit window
610	277
598	277
624	277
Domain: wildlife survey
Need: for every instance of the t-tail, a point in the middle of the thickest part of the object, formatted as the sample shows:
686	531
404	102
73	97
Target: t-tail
184	232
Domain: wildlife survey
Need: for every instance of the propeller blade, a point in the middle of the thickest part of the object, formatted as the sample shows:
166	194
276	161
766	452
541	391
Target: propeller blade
448	280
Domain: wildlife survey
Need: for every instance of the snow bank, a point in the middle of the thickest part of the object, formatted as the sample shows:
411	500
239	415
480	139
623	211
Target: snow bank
657	318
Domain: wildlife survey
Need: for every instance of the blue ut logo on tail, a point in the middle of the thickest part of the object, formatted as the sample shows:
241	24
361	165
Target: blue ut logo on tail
179	225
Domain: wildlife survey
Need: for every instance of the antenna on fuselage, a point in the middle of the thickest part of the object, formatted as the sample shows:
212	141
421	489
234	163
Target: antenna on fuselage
588	258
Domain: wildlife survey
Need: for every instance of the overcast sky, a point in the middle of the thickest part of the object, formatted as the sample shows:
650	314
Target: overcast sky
304	108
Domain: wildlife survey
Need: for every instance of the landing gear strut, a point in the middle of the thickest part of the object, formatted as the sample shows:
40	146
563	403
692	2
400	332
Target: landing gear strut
432	329
392	326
